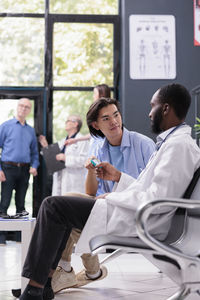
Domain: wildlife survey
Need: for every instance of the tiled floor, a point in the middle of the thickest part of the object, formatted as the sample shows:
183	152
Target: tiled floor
131	277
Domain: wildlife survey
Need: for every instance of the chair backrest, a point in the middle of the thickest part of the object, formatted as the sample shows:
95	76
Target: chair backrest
193	192
189	242
194	187
180	217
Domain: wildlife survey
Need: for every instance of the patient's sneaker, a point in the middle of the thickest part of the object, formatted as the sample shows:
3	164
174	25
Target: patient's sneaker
62	280
83	279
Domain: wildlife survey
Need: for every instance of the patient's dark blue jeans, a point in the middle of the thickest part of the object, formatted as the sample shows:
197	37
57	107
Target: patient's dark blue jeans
56	218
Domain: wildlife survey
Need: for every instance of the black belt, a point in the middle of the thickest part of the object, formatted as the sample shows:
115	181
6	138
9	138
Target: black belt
12	163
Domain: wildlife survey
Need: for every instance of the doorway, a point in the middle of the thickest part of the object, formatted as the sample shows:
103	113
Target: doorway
8	102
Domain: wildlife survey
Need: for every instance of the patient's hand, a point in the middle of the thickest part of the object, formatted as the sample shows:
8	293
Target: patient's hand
106	171
89	165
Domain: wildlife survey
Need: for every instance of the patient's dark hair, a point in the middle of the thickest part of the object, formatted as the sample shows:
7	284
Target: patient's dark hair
177	96
93	113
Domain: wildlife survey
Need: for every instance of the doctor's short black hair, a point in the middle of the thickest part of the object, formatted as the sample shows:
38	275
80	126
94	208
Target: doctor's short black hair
177	96
93	113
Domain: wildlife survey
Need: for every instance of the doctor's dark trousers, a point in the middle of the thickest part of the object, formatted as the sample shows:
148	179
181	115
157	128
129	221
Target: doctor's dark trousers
56	218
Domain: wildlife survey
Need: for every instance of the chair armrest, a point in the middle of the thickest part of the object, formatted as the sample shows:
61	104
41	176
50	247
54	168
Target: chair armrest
143	215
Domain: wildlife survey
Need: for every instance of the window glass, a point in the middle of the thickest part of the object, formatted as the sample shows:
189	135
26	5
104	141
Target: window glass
83	54
66	103
22	52
96	7
22	6
8	111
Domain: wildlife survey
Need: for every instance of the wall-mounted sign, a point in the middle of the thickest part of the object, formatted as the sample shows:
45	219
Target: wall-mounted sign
152	47
197	22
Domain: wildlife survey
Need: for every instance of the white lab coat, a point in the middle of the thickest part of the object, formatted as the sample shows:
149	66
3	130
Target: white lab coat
167	174
72	178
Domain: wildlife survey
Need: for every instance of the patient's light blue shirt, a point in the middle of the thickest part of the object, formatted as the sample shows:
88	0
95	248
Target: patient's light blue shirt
18	143
130	157
94	143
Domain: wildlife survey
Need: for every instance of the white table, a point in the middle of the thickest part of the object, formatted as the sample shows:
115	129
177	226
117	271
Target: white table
26	227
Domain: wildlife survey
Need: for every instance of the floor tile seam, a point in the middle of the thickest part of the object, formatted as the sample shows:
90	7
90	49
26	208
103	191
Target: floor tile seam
127	277
125	295
137	273
152	291
142	292
136	291
154	277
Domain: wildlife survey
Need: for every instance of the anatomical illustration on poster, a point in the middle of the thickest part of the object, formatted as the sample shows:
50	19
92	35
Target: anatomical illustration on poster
197	22
152	47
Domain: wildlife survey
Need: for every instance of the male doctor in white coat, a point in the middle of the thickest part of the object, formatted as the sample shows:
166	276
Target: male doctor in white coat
167	174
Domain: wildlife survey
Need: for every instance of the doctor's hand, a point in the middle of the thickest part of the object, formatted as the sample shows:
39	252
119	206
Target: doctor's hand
60	156
43	141
2	176
106	171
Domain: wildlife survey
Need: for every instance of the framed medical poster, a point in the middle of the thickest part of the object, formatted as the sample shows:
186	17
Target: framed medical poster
152	47
197	22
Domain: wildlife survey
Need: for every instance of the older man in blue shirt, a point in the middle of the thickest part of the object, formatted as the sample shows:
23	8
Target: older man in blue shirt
19	158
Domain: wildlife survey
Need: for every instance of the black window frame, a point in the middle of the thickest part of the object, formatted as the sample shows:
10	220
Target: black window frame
44	119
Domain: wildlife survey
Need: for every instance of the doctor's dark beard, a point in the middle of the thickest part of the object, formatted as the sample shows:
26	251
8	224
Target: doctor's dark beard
156	122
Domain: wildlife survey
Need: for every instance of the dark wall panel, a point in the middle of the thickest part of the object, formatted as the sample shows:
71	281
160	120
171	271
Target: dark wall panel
136	94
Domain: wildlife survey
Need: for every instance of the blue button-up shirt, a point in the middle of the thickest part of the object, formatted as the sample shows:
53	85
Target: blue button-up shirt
136	150
18	143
